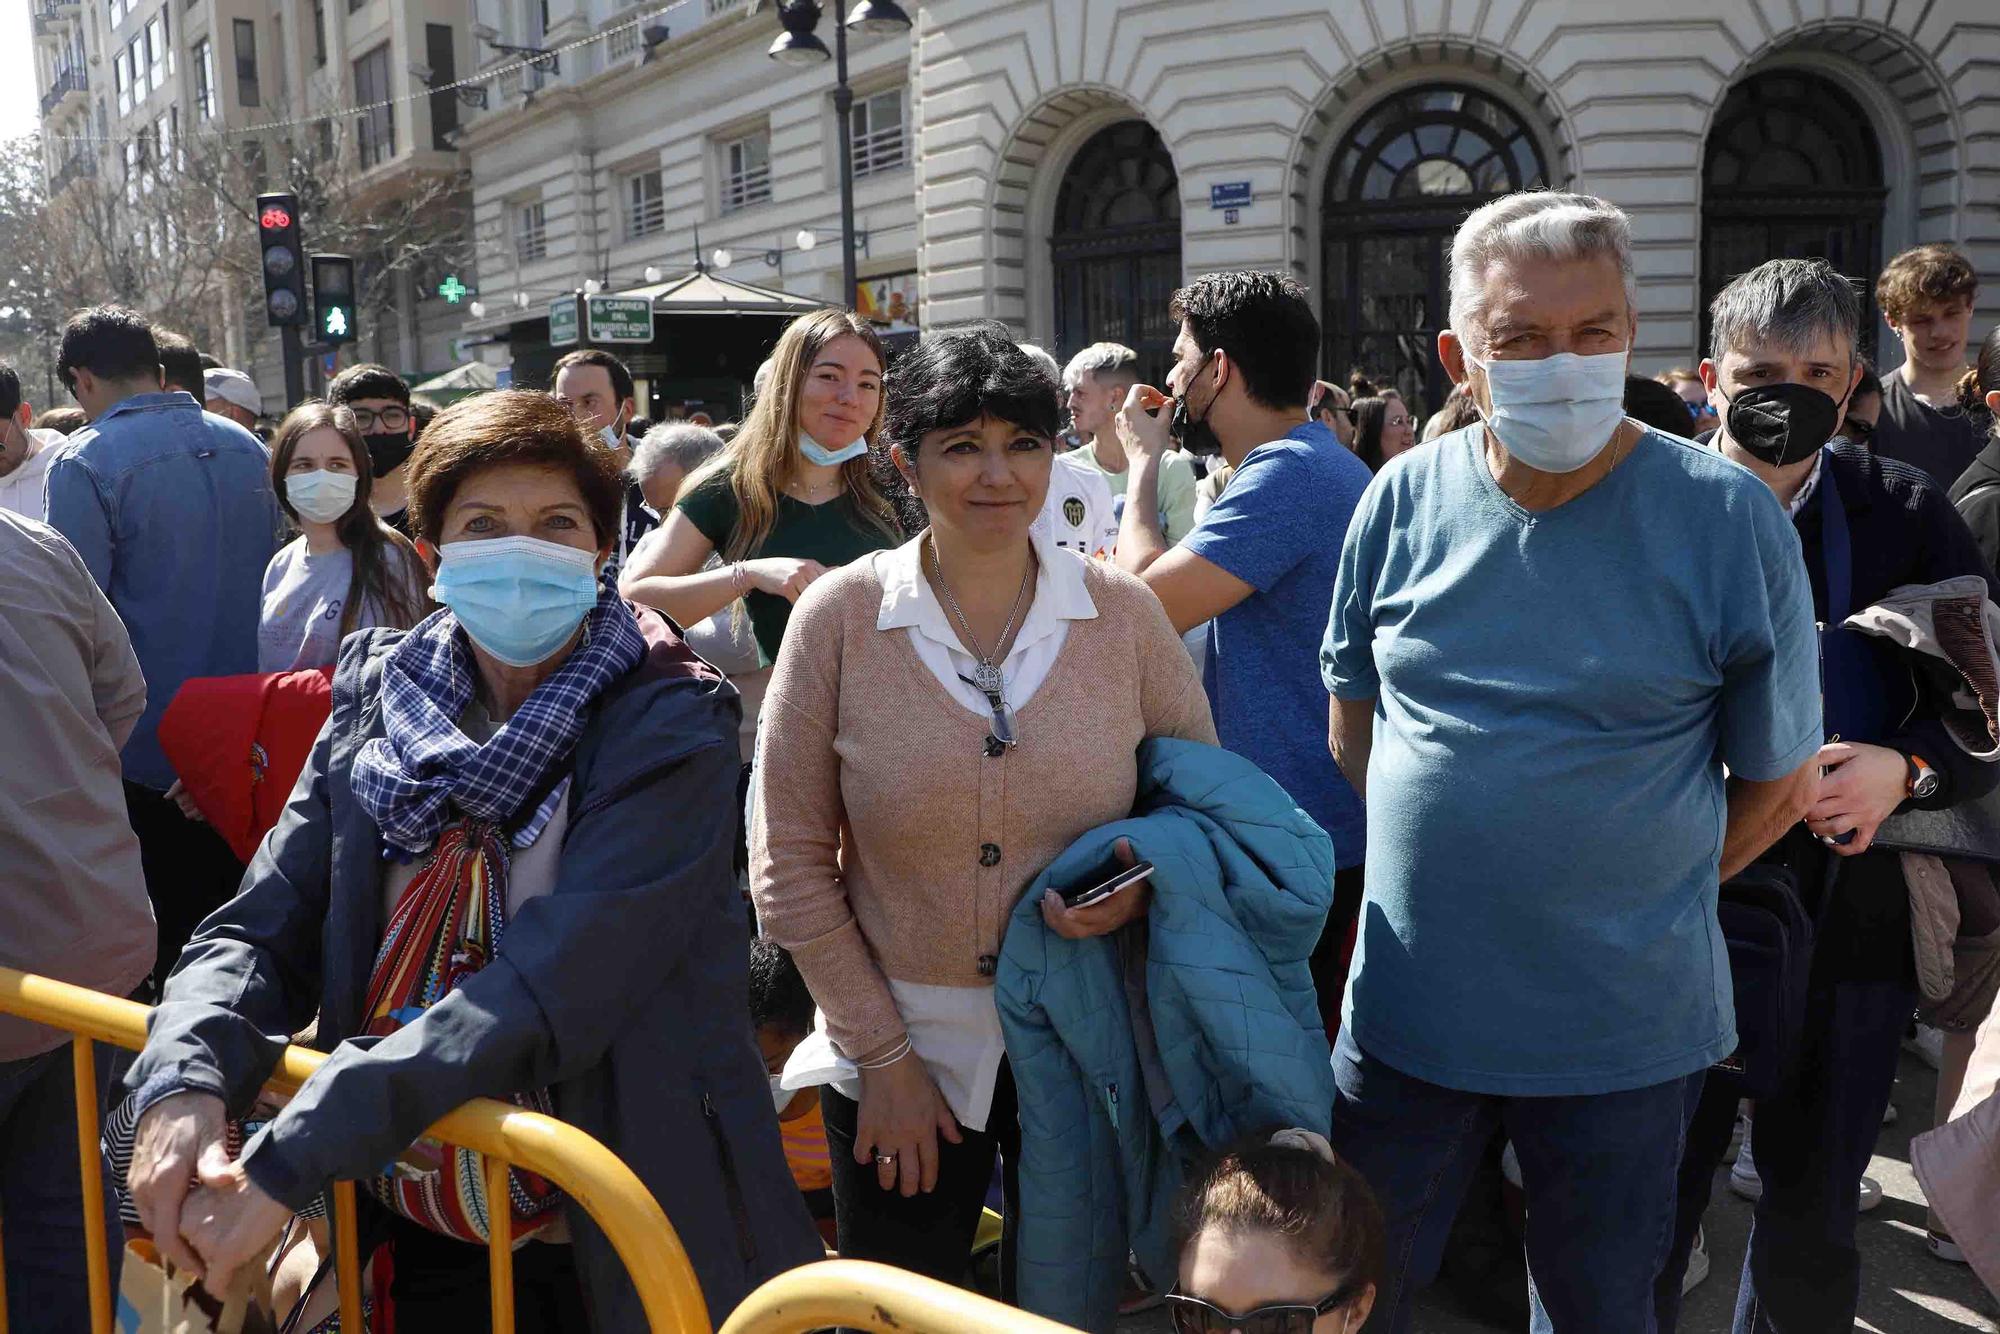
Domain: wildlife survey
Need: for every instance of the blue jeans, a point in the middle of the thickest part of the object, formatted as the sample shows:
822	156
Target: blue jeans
1811	1143
41	1192
1598	1170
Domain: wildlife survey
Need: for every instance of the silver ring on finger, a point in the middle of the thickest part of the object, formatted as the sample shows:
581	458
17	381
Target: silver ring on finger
885	1160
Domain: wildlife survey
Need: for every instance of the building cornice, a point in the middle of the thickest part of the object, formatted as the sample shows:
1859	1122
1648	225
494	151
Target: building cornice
603	91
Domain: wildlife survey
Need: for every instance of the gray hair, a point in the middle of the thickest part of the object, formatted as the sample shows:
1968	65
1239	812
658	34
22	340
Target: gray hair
683	444
1104	360
1535	224
1786	304
1042	357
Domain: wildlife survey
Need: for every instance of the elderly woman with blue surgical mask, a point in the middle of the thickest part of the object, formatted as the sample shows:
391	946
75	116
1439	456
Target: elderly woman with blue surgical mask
505	763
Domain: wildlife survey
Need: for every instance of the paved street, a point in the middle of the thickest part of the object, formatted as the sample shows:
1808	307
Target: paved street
1904	1290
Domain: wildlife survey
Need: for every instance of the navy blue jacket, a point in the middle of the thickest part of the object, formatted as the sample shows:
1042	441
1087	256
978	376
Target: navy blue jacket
626	989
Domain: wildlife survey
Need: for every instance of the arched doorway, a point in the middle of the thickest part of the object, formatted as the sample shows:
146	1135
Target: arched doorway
1116	246
1401	182
1791	170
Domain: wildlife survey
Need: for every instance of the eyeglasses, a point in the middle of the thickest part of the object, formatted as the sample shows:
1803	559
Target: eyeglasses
390	419
1192	1315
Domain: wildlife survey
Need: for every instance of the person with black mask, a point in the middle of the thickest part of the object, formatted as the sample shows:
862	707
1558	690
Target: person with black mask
1782	368
380	401
1259	566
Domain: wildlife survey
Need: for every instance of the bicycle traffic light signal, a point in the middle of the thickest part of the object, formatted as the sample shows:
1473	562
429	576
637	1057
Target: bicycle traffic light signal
333	298
284	266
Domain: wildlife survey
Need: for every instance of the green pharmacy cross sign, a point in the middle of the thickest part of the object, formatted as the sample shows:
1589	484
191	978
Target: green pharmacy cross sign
452	290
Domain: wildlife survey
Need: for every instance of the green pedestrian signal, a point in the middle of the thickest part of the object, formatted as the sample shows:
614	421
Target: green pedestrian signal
333	298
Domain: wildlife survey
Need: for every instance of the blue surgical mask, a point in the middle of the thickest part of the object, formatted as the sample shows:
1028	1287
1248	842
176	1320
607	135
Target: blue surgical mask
828	458
520	598
1558	413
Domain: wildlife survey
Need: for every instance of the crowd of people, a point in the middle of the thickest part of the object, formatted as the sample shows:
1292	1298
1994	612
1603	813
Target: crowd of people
1132	843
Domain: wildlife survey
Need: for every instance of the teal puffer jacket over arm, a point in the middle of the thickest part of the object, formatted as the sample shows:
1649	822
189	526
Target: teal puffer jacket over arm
1134	1053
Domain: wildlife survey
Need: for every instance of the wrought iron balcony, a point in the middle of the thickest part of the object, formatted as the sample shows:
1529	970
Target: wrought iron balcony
79	166
69	81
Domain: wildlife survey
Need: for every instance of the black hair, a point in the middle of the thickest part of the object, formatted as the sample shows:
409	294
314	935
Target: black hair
1370	411
1658	406
964	372
367	380
209	363
778	994
621	377
1266	325
111	342
421	413
180	363
10	391
638	426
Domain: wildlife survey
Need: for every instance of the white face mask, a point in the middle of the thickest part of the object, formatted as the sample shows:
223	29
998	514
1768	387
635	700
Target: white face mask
1558	413
319	495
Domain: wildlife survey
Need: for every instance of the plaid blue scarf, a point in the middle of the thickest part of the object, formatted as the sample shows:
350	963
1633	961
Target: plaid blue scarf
411	778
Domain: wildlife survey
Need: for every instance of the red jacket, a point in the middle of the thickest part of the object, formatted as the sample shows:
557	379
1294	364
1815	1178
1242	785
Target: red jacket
239	742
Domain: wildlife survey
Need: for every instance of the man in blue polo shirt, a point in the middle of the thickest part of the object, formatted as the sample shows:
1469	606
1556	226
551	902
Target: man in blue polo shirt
1552	631
1259	566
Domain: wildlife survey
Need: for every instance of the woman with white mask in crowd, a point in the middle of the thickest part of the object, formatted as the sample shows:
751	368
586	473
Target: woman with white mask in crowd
347	570
791	497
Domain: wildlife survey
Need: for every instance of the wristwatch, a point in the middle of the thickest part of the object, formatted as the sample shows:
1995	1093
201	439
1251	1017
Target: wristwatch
1922	781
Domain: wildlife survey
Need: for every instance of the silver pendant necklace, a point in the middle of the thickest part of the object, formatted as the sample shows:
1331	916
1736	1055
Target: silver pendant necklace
986	677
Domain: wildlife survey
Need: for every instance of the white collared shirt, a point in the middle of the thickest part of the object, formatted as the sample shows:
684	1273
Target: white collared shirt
955	1031
1058	597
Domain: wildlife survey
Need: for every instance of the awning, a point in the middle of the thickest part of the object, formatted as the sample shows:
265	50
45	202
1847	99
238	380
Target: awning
471	378
707	293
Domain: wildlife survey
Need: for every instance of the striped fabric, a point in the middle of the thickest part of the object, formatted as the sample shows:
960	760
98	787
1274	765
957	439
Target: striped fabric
444	929
805	1149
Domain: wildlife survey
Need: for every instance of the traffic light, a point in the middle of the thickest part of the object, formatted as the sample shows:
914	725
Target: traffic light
284	269
333	298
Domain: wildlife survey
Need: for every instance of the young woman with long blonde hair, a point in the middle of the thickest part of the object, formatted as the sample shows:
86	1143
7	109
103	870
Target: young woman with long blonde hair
790	498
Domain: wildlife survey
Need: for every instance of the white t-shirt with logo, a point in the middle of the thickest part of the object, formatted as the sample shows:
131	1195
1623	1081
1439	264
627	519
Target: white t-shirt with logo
1080	513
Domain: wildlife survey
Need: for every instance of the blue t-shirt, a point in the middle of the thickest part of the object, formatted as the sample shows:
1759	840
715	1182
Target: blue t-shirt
1557	693
1278	528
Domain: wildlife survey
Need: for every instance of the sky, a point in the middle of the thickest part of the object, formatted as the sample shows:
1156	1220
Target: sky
18	109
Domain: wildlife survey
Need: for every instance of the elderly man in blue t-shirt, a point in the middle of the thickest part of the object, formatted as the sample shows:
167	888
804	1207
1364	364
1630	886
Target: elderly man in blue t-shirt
1552	632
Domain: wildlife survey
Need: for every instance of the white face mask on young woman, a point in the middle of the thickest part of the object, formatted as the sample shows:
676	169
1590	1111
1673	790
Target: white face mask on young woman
320	496
1555	414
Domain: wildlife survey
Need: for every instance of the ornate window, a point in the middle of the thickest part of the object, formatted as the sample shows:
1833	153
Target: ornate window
1792	170
1401	182
1117	246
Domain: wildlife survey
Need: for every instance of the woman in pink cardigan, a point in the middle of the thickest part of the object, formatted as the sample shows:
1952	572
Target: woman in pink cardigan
945	718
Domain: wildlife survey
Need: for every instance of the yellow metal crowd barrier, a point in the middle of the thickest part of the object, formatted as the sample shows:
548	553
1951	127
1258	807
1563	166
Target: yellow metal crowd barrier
858	1295
595	1179
837	1292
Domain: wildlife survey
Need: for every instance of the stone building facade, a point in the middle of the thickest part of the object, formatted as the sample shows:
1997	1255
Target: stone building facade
1063	164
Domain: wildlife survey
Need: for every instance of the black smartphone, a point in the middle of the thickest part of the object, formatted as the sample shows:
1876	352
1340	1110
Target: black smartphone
1084	896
